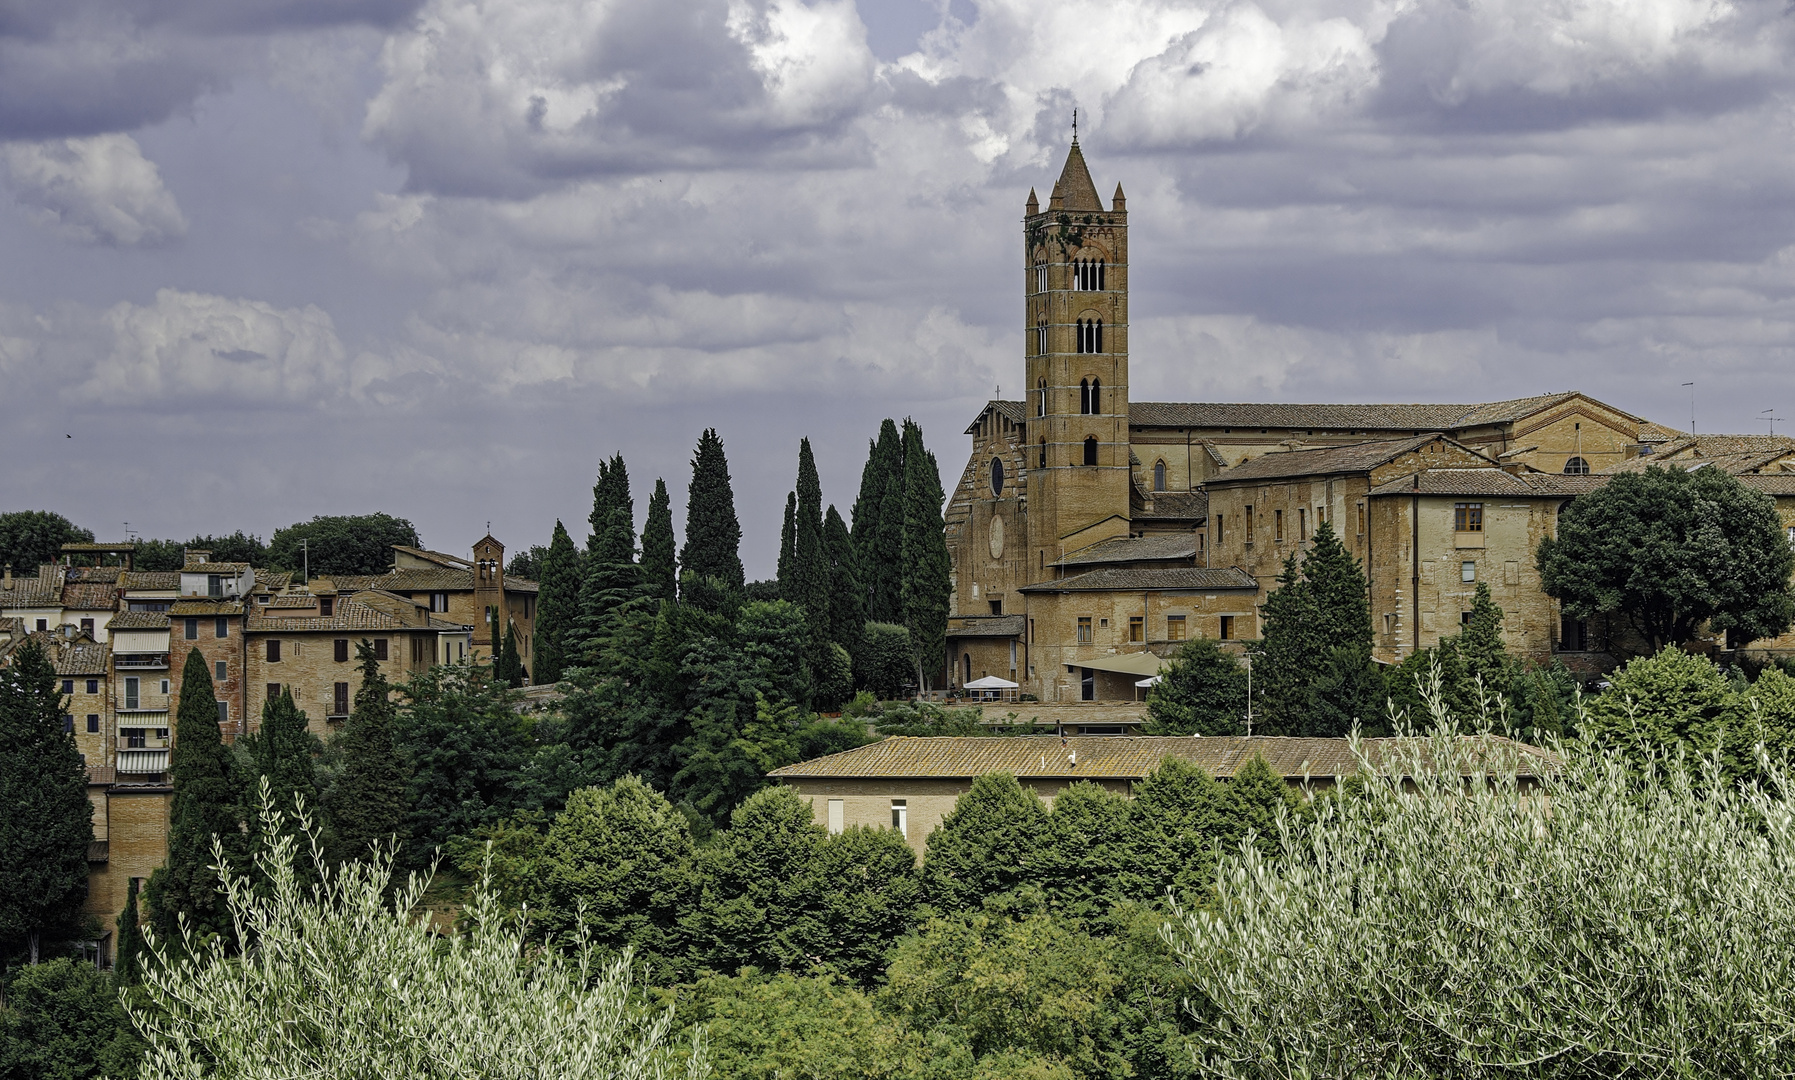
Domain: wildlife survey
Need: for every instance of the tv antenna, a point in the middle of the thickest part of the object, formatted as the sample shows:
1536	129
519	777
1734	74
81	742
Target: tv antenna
1771	420
1691	387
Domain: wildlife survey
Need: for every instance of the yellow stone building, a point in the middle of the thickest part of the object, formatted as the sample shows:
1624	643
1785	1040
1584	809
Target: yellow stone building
1091	533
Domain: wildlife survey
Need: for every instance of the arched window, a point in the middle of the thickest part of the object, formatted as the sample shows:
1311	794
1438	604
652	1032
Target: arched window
1576	467
1084	396
1096	335
1043	464
1090	450
1041	336
997	476
1041	403
1159	476
968	658
1078	335
1100	285
1096	395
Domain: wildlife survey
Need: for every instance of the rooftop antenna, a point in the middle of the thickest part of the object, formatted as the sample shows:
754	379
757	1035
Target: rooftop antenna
1691	387
1771	419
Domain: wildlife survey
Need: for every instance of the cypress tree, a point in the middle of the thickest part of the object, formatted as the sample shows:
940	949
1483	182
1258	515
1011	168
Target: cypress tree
1342	597
208	802
611	574
368	803
788	537
47	821
1312	669
660	577
127	959
713	535
509	668
282	750
557	606
928	569
878	524
847	600
810	558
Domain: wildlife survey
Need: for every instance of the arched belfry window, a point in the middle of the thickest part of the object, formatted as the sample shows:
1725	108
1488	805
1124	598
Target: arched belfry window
1159	476
1043	464
1087	275
1090	450
1041	336
1576	467
1084	396
1041	401
1096	395
1090	335
1041	277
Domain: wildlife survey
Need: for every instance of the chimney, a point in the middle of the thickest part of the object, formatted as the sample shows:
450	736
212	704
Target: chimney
6	583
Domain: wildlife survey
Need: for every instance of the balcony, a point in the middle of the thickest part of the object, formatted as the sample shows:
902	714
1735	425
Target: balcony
141	662
139	762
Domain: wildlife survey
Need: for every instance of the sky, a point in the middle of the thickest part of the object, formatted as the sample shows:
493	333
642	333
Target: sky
267	259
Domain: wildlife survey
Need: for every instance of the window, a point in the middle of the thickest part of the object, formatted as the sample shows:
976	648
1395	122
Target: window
1137	628
273	651
340	694
1090	335
1087	685
1040	277
900	817
966	666
1302	523
1043	464
1361	509
1096	396
1277	525
1031	631
134	737
837	817
1249	527
1219	535
419	651
340	650
1174	628
164	686
273	691
1084	396
1573	634
1464	618
1088	275
1227	628
93	686
93	722
1041	398
218	670
1159	476
133	693
1466	517
327	606
1576	467
224	712
1467	571
214	585
996	476
380	648
1041	337
221	628
43	624
68	723
1084	629
996	606
1090	450
87	626
439	601
68	686
190	630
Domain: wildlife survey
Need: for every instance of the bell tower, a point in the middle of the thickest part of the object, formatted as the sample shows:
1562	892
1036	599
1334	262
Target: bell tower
1075	256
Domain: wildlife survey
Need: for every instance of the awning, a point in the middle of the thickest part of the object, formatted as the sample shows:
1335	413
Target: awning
1151	680
1137	664
991	682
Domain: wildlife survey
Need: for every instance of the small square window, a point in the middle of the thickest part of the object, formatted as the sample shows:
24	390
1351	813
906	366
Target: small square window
224	712
1467	571
273	690
68	686
87	626
43	625
93	686
327	606
1467	517
1464	618
165	686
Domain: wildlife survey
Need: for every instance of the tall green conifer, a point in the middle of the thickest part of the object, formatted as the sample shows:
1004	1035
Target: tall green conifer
788	537
928	569
713	535
368	801
847	599
1312	668
810	558
878	525
611	574
208	803
509	667
660	577
557	607
46	821
283	750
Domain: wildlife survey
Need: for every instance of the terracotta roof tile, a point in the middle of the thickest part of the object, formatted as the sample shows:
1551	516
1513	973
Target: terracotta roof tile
1000	626
205	607
33	592
1770	483
1127	549
292	600
83	656
215	568
151	580
92	596
138	620
1486	482
1194	579
1322	460
1175	506
90	574
1099	757
444	580
1368	418
350	615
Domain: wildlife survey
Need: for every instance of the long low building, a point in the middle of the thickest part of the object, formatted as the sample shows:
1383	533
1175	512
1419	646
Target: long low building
910	783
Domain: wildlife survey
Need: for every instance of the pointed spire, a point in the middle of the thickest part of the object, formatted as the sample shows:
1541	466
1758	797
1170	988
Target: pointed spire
1034	204
1120	203
1075	191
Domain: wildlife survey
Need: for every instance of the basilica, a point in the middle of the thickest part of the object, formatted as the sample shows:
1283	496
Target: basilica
1091	533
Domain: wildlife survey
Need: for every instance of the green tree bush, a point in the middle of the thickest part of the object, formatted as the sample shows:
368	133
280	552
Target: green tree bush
346	544
47	821
62	1021
1202	692
884	663
660	575
985	845
208	803
464	750
712	549
557	607
1669	551
928	569
1312	669
1657	703
30	538
367	804
283	752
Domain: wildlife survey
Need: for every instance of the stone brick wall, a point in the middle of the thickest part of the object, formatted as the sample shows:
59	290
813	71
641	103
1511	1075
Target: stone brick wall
309	669
133	820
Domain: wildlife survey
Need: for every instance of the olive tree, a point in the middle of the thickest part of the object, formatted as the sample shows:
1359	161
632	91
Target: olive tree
1448	919
343	979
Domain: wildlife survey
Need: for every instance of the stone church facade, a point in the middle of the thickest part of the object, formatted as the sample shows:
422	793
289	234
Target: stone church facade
1091	534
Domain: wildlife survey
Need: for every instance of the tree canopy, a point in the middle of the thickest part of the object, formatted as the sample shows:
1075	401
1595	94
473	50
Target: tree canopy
1667	552
30	538
344	544
1202	692
1312	667
713	535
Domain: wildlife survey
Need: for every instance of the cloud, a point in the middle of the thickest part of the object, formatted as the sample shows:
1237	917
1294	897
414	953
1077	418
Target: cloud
97	190
513	99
